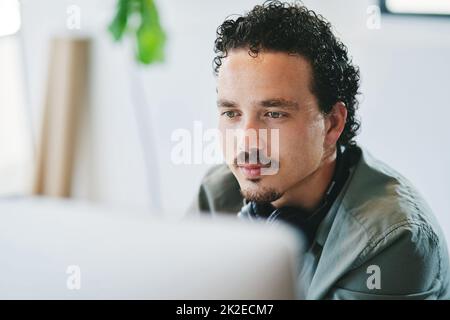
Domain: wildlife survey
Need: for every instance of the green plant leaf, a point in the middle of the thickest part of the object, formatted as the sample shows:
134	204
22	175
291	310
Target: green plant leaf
149	35
119	23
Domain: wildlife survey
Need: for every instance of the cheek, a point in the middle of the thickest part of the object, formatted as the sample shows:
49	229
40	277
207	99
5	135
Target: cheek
314	133
302	145
293	140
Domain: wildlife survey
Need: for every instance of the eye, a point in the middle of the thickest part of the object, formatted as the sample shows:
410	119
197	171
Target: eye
275	114
230	114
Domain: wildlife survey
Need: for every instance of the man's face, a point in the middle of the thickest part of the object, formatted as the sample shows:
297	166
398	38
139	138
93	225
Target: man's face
270	91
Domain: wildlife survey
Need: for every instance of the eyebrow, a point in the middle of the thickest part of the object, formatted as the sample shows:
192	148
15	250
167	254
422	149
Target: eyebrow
270	103
222	103
279	103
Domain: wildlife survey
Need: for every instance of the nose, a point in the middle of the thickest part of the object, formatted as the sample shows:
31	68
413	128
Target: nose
249	138
242	138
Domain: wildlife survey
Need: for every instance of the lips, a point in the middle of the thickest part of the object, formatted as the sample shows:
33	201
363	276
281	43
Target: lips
251	171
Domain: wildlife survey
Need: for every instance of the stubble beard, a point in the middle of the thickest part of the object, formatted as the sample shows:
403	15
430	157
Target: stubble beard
261	194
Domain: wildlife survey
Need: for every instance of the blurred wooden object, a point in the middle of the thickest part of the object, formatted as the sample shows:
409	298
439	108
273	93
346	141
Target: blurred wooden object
65	96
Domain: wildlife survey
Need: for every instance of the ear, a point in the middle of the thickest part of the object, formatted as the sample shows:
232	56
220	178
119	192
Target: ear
335	123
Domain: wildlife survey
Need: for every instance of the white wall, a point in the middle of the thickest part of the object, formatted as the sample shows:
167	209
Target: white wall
404	108
15	142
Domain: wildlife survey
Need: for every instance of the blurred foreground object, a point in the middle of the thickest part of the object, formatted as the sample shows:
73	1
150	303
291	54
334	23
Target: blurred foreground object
61	249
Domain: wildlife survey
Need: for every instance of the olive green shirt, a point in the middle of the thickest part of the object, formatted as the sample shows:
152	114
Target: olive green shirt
379	240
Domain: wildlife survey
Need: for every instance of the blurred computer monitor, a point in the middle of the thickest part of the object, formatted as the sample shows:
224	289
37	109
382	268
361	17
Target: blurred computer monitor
64	250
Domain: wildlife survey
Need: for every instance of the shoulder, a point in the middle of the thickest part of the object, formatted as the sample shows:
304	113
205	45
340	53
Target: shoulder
384	204
396	228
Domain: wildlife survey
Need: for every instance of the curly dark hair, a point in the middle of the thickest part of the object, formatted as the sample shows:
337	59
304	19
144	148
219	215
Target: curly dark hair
292	28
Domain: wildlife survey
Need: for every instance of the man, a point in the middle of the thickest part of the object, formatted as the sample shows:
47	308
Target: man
370	235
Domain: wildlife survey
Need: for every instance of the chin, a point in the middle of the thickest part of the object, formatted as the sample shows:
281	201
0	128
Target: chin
259	191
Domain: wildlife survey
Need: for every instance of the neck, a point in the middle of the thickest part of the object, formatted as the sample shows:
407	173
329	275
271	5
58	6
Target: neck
308	193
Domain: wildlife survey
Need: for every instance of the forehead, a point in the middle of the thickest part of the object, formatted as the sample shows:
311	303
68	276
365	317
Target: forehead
268	74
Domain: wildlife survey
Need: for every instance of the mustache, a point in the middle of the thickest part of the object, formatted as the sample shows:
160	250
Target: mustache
254	156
